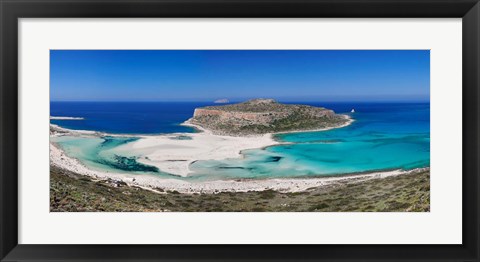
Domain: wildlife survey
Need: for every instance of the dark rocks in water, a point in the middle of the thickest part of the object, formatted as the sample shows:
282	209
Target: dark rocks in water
128	164
231	167
331	141
236	167
274	158
181	137
116	141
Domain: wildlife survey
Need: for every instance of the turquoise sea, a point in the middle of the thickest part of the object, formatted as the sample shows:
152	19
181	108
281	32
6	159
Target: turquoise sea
383	136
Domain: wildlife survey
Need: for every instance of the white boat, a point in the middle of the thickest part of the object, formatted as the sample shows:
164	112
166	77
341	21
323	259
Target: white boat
353	111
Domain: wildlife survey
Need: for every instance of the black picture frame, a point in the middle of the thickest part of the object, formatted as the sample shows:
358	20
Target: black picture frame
12	10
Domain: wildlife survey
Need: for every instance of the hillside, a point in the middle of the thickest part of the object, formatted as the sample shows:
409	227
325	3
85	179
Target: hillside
261	116
71	192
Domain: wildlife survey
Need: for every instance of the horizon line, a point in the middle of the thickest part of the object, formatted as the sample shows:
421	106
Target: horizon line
239	101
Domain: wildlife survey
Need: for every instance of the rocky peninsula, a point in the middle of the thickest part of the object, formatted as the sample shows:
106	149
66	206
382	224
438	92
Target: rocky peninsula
263	116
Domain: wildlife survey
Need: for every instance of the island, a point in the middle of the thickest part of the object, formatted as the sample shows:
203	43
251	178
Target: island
222	101
263	116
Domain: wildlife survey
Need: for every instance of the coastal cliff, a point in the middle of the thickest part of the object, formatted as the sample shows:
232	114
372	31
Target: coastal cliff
261	116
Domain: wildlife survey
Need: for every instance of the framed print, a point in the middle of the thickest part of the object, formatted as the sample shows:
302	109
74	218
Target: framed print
208	130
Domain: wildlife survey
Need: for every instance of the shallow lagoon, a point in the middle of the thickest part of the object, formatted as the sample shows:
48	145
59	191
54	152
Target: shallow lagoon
100	153
383	136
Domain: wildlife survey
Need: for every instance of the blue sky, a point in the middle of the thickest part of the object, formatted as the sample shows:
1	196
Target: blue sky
285	75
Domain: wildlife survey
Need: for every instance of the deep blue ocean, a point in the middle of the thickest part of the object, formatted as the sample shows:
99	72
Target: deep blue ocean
383	136
125	117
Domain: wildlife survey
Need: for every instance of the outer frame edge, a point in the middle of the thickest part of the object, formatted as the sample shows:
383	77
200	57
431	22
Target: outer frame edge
9	222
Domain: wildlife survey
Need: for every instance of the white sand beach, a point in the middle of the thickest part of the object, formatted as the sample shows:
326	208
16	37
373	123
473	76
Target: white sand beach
151	182
174	155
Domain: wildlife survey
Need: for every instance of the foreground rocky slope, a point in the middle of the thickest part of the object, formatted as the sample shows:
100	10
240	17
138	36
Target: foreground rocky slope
261	116
70	192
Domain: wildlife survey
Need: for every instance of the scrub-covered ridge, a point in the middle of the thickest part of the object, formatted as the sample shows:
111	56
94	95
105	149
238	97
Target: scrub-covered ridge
261	116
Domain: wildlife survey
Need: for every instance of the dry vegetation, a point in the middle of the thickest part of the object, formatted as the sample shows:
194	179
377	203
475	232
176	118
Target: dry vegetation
75	193
261	116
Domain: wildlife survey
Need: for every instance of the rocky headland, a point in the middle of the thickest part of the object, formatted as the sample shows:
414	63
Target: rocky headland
262	116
